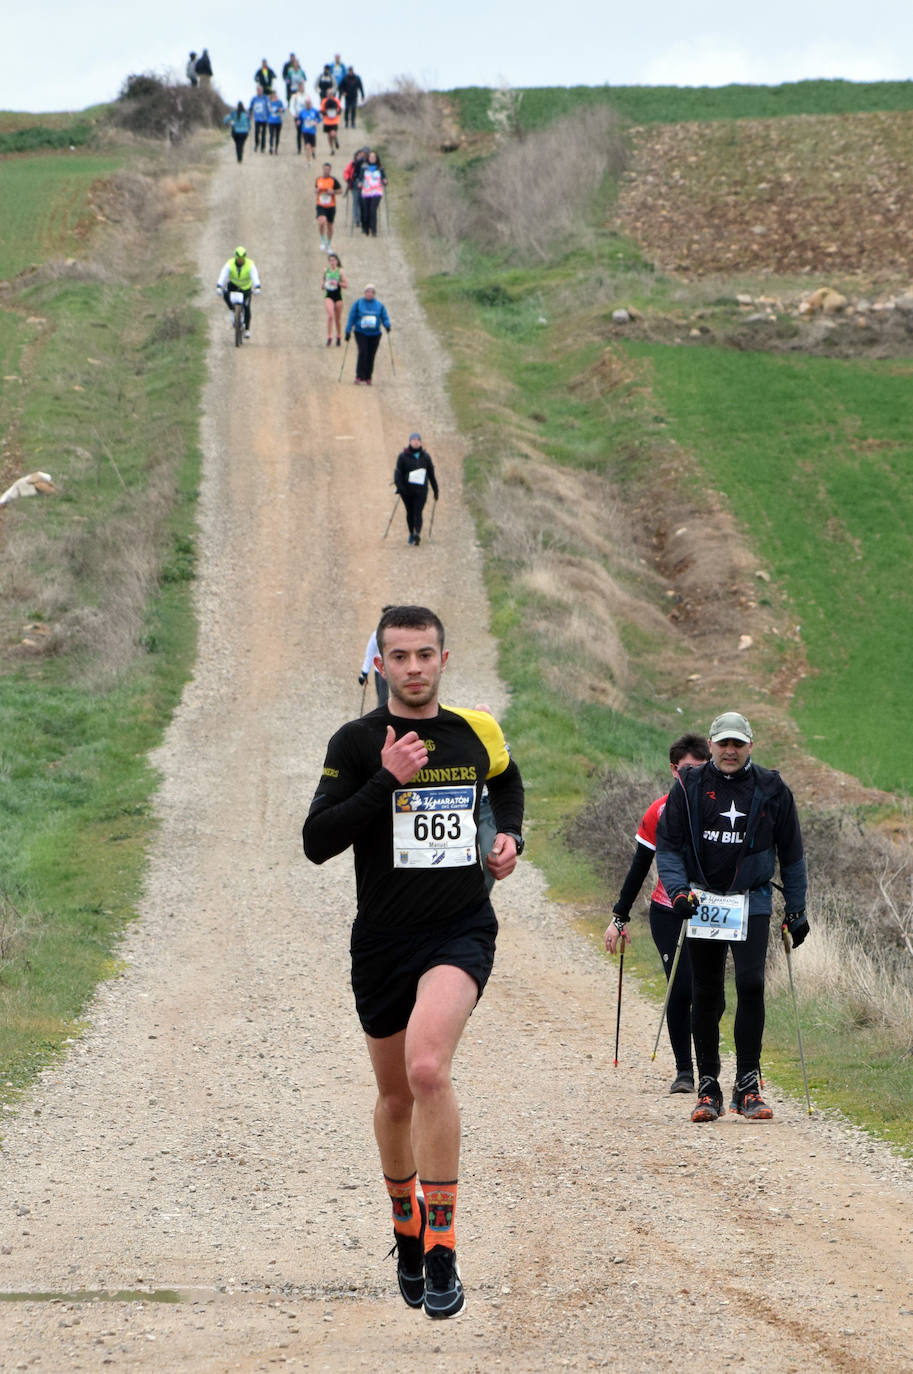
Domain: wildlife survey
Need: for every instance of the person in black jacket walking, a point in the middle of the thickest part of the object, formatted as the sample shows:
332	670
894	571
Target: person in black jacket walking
204	67
412	476
725	826
350	88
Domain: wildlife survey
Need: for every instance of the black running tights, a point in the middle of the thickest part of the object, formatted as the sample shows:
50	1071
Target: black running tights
708	965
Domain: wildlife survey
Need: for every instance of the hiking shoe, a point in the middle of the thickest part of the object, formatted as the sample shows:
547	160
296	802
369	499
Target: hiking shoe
410	1262
417	539
709	1101
683	1082
247	333
329	343
444	1295
751	1105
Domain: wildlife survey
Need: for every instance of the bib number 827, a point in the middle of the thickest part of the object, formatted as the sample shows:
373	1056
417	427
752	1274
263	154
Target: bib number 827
436	827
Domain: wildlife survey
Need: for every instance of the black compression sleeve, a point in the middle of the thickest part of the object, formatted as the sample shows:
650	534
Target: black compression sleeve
640	867
332	826
506	792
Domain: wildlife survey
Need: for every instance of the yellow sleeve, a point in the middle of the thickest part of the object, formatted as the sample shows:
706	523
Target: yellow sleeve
491	735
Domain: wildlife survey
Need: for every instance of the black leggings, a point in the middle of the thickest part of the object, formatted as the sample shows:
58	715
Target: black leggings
226	296
414	499
369	206
240	140
260	136
274	131
665	929
367	345
708	966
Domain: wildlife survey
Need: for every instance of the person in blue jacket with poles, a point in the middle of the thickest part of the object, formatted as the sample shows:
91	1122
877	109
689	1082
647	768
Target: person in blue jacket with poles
366	317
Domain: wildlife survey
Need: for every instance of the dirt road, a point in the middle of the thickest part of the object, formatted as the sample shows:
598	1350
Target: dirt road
205	1152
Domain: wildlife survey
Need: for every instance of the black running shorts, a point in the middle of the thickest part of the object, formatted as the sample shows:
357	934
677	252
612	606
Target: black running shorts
327	212
387	964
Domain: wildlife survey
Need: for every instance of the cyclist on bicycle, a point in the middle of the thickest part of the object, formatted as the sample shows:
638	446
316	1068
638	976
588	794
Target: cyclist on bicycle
239	274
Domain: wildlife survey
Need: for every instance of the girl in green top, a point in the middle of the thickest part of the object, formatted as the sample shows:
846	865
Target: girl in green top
334	281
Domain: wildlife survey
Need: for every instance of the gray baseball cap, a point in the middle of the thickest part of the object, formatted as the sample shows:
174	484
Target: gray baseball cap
730	725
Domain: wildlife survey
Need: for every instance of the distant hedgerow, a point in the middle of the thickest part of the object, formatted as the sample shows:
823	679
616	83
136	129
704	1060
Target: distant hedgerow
147	105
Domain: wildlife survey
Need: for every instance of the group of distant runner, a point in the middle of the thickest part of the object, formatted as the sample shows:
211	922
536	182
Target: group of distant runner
337	92
366	184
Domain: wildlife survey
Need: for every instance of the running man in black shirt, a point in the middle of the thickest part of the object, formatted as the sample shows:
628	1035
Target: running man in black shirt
402	785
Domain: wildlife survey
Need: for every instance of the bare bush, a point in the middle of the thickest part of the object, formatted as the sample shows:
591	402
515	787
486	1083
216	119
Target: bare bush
605	829
441	211
535	192
410	123
851	980
149	106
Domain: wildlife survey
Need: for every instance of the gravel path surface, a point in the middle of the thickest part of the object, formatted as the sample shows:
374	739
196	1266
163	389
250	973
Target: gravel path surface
209	1137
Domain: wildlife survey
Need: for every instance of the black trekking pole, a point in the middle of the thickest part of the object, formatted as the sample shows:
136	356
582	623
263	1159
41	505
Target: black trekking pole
662	1015
392	513
387	212
392	360
364	688
343	363
431	521
788	946
621	969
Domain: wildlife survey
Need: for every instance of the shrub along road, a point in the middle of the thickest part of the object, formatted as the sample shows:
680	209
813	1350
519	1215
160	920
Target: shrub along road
209	1136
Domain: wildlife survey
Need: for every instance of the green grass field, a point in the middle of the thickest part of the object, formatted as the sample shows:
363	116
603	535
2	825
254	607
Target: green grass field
44	207
676	104
816	457
109	405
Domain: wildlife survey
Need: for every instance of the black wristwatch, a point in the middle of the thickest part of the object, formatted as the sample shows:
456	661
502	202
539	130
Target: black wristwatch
517	839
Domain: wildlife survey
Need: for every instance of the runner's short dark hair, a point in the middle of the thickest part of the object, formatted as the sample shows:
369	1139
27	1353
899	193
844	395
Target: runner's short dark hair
410	618
695	745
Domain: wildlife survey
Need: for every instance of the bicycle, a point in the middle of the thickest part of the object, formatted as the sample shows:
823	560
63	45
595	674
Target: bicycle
237	304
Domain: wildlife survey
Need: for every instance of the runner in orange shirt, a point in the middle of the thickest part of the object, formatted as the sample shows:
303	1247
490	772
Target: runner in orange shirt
326	187
331	109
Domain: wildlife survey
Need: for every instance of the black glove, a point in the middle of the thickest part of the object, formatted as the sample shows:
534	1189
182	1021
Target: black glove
684	904
387	327
348	337
796	922
362	679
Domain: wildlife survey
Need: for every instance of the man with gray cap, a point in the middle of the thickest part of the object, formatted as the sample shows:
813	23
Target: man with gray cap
725	826
413	474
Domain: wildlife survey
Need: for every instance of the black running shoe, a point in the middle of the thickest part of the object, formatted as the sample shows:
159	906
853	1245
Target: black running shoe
444	1295
417	540
410	1262
683	1082
747	1099
709	1101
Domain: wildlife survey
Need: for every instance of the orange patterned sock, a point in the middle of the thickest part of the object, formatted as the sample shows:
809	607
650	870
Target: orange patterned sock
407	1219
440	1199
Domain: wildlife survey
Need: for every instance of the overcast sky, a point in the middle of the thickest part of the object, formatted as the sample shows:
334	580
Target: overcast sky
58	55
